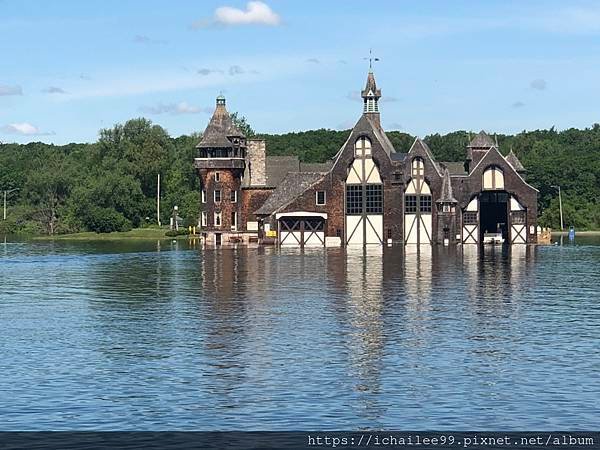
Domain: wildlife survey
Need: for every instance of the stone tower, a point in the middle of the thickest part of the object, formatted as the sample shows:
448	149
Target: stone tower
221	163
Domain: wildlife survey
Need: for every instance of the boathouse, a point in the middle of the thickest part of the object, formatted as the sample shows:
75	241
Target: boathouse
369	193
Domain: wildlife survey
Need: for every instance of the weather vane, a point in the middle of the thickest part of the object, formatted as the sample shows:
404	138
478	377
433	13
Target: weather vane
371	59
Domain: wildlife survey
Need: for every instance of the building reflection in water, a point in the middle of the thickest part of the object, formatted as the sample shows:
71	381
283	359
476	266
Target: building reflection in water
364	299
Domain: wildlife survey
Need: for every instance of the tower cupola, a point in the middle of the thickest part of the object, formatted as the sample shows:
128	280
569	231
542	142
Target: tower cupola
371	95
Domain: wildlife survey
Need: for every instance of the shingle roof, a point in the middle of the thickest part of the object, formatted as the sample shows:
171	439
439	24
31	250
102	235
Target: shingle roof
455	168
482	140
277	167
512	159
315	167
447	194
292	186
371	86
219	129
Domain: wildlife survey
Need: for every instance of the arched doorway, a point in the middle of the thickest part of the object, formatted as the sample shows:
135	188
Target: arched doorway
364	197
417	207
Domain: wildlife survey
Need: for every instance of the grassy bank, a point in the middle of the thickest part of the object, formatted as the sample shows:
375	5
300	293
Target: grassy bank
586	233
136	233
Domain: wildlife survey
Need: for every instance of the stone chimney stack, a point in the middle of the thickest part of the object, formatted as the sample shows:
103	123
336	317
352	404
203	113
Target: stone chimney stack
256	170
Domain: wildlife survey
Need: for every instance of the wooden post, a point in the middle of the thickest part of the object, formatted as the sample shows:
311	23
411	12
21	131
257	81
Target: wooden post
158	200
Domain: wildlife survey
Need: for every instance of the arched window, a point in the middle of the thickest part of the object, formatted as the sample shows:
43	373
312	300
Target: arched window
362	147
493	178
418	168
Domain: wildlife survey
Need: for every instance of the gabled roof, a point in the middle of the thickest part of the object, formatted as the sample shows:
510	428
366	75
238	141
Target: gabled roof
512	159
481	141
454	167
420	144
447	194
315	167
219	129
292	186
277	167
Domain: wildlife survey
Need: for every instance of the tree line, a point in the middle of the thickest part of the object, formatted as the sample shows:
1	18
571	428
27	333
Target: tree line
111	184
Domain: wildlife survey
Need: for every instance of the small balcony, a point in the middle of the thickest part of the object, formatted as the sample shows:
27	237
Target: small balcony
219	163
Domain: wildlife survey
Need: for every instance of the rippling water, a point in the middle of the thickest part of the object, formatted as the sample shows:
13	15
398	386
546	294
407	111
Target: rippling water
145	336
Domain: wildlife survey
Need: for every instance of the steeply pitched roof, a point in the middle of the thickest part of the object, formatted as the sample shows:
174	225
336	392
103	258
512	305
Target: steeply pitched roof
277	167
512	159
292	186
447	194
315	167
219	128
482	141
455	168
420	144
371	86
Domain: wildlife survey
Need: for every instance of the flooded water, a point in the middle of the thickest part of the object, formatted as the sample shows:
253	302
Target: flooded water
125	335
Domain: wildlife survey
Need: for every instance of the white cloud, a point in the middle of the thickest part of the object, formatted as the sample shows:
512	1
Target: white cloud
518	104
173	108
10	90
256	13
24	129
313	61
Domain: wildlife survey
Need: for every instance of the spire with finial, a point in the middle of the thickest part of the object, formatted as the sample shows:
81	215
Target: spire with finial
370	93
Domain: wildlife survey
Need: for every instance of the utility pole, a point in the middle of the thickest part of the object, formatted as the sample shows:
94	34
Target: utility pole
562	227
5	194
158	200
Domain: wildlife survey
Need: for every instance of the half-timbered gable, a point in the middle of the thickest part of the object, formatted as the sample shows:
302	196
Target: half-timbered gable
367	194
493	197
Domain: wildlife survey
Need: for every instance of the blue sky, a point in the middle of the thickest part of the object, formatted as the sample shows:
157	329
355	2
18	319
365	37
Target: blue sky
69	68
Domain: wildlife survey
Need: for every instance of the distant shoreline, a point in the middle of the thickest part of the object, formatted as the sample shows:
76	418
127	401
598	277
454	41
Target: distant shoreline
587	233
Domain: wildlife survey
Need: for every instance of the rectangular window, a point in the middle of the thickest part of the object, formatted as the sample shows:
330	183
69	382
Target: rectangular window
218	219
374	199
517	217
321	198
204	219
234	221
217	176
410	204
203	195
354	199
217	196
470	218
233	196
425	204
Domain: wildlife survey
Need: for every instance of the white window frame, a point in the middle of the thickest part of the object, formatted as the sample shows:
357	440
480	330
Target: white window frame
234	223
215	196
234	196
204	219
324	198
365	144
203	195
218	219
217	176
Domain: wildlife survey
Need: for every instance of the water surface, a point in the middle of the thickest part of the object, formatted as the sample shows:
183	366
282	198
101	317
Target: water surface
149	336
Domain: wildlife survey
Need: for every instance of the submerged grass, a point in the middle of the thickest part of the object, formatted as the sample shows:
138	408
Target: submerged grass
136	233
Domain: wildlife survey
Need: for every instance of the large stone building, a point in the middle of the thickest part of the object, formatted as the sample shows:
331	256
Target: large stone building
369	193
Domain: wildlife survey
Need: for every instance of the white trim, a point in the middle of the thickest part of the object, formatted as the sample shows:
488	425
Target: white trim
507	163
300	214
317	198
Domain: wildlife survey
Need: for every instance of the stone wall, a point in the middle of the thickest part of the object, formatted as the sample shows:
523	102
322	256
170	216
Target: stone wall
256	171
